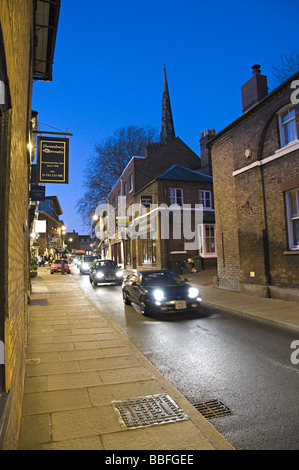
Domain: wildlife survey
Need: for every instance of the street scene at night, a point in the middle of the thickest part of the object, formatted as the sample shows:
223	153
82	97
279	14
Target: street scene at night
149	228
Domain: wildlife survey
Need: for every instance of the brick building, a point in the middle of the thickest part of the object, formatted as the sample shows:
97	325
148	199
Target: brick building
255	164
26	27
50	241
75	242
168	166
176	235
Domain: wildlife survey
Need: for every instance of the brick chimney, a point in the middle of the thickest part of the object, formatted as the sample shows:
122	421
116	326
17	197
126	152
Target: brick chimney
255	89
205	153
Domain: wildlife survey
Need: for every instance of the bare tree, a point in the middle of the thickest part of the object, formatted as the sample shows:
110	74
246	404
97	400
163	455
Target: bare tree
288	65
108	162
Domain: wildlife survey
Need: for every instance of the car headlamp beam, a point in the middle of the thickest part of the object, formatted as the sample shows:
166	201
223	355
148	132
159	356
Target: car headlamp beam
158	295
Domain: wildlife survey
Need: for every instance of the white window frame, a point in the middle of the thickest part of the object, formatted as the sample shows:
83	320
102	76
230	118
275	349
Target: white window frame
203	239
289	123
204	199
173	199
131	183
292	217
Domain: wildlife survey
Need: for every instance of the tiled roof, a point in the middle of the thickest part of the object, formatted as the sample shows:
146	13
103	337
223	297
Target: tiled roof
180	173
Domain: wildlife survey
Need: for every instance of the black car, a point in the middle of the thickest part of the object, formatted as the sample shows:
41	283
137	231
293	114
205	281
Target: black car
86	262
105	272
160	291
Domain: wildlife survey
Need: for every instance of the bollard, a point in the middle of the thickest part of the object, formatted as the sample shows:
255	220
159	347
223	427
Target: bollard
62	268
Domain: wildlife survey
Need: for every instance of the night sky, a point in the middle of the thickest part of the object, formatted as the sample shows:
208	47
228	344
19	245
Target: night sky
109	61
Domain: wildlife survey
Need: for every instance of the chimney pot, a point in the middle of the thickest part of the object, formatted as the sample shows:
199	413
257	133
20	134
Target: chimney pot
256	69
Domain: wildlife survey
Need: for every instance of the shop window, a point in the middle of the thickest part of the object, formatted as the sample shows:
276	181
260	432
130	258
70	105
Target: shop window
149	251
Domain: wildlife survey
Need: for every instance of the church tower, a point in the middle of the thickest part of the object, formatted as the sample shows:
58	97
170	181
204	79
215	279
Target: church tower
167	128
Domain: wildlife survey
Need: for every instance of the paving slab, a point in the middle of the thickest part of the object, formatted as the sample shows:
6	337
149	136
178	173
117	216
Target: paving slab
78	366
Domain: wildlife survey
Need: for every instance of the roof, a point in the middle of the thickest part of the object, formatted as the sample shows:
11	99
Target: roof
46	17
180	173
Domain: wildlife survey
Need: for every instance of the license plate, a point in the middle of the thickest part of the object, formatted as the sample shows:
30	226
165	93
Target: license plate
180	305
110	278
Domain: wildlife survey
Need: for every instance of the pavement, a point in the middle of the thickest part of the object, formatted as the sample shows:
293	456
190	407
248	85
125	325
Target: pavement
85	381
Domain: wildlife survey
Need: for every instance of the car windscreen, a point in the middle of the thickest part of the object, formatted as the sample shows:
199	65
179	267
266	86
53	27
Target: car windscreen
105	264
59	261
88	259
160	279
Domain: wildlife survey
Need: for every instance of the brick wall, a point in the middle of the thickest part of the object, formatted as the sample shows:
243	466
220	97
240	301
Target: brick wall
250	206
16	24
226	214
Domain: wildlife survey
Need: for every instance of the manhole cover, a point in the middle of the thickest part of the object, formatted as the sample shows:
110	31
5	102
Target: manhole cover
147	411
212	409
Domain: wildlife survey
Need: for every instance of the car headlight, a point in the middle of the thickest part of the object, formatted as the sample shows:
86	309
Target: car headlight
99	275
158	295
119	274
193	292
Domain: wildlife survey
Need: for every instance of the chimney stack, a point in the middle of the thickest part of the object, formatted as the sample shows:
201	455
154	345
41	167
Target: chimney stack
205	152
255	89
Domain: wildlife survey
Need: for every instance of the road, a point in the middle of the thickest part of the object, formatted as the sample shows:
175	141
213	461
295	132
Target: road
213	355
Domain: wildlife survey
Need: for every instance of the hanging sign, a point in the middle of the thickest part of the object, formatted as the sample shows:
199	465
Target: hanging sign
53	160
37	193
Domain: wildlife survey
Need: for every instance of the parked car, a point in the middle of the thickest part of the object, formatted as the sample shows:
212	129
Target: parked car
105	272
86	262
57	264
160	291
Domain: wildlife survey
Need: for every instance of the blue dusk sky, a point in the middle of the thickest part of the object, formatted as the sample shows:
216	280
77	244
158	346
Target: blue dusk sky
109	61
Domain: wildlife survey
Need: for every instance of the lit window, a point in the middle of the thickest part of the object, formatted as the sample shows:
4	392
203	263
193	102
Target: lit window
176	196
292	206
205	199
287	127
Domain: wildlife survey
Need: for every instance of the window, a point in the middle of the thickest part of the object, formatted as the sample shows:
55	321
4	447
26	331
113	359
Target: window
125	189
207	237
292	206
287	126
176	196
205	199
149	253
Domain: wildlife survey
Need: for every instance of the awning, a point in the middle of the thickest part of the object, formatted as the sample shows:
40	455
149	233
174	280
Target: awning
46	17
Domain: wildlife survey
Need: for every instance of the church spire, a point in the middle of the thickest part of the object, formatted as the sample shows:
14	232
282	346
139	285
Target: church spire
167	127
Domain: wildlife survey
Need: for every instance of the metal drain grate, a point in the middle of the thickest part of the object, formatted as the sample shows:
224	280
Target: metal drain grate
212	409
147	411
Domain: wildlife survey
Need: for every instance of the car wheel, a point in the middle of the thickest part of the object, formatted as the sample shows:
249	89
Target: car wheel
52	272
126	299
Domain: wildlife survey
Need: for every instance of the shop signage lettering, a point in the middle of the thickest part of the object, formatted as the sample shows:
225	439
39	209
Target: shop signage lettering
53	160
